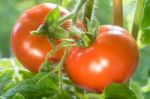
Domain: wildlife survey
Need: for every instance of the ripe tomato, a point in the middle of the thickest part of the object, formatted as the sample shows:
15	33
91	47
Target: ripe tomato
112	57
31	50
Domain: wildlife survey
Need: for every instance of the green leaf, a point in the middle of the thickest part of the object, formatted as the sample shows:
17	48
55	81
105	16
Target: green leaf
118	91
145	24
46	67
53	31
135	87
8	86
34	88
141	74
53	16
93	27
87	95
146	90
76	31
25	74
57	33
18	96
89	11
80	96
45	98
87	41
42	30
63	95
5	64
78	89
94	96
89	26
5	78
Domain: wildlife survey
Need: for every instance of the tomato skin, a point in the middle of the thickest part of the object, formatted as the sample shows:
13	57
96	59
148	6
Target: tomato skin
112	57
31	50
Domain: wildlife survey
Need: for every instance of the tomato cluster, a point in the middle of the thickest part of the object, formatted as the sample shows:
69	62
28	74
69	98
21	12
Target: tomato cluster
112	57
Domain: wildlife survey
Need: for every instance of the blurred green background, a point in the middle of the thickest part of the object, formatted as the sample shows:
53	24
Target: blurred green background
10	10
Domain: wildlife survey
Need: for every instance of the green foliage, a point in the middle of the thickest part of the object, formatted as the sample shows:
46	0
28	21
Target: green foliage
45	86
145	24
52	26
33	88
5	79
116	91
135	87
53	17
5	64
46	67
18	96
141	74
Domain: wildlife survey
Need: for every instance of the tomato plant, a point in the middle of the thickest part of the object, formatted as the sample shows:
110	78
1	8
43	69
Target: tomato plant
75	60
31	50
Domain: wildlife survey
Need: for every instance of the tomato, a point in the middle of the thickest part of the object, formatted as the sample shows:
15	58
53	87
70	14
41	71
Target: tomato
31	50
112	57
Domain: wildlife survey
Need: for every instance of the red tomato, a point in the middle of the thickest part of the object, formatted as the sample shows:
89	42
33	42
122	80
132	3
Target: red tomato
112	57
31	50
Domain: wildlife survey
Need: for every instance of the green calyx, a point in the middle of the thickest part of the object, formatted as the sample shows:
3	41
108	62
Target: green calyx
86	40
51	27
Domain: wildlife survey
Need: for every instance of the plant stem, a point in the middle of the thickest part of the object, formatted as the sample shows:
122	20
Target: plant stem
66	18
118	12
88	11
137	18
51	41
50	53
77	9
60	64
74	13
60	69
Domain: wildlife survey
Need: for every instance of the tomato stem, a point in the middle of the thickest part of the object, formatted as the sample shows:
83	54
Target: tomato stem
65	43
89	9
137	18
51	52
51	41
66	18
74	13
76	10
118	12
60	64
